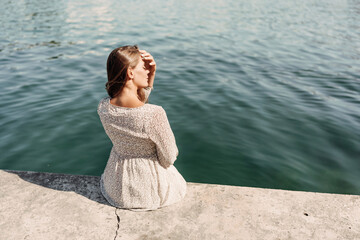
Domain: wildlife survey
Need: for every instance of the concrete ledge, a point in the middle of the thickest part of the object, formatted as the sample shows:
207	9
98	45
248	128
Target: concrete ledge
36	205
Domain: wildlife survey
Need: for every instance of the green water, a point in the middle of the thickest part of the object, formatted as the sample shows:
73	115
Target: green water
258	93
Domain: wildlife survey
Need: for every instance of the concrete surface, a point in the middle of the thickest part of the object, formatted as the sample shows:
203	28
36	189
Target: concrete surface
36	205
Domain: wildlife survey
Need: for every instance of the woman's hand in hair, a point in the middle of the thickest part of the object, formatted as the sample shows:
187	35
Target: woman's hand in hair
150	64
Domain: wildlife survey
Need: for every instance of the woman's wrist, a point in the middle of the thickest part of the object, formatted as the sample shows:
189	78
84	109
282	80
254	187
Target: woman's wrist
151	83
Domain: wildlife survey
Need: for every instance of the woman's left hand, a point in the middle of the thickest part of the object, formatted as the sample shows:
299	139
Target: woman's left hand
151	64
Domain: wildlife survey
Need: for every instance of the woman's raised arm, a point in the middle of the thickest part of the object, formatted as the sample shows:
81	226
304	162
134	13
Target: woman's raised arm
150	64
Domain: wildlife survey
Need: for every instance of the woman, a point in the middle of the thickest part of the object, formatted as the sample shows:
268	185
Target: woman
139	174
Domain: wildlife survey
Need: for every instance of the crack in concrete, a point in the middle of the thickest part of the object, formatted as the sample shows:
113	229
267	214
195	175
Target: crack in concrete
118	224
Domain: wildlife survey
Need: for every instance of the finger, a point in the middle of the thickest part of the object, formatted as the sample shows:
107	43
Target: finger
146	55
143	52
148	58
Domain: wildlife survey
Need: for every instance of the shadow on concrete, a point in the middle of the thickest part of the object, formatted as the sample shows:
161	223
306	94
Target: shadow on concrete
87	186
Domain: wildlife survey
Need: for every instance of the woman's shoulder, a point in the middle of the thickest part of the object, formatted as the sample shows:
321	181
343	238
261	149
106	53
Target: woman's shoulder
101	103
148	109
155	113
103	99
156	118
153	107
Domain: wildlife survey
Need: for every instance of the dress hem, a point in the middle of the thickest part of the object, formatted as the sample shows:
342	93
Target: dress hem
112	203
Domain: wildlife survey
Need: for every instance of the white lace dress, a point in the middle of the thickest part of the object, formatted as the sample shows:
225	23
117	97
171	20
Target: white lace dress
140	174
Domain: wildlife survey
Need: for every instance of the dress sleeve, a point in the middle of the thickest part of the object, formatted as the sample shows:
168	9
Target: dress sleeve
147	91
160	133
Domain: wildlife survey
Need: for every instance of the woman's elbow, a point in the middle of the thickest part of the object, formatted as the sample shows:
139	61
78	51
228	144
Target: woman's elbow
167	161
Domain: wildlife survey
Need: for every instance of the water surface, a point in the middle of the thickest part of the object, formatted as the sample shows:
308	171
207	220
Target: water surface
261	94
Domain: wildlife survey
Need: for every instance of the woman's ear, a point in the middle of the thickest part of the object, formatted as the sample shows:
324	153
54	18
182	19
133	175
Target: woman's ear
130	73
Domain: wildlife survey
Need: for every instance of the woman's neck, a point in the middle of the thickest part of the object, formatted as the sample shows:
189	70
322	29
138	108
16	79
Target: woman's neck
127	98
